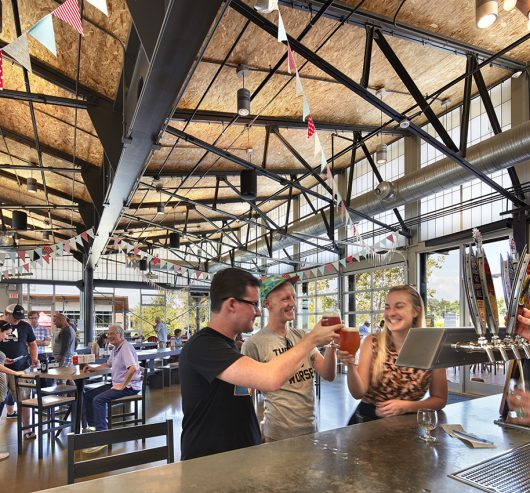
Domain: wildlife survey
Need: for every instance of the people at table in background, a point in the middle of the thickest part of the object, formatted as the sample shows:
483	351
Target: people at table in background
289	411
161	332
42	334
215	377
364	329
384	388
20	342
519	399
101	342
64	343
126	380
178	338
5	330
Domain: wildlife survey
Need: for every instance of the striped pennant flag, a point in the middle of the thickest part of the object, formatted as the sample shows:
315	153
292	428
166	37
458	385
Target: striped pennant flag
69	12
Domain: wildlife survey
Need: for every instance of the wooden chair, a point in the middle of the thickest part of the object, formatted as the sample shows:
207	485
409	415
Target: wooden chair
119	461
123	402
50	412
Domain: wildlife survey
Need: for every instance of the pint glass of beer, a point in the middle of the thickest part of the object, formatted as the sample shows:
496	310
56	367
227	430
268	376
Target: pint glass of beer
331	317
349	339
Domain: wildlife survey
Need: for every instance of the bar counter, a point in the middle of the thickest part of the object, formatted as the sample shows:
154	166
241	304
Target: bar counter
375	457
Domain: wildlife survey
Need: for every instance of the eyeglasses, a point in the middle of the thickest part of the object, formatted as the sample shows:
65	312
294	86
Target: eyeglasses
255	304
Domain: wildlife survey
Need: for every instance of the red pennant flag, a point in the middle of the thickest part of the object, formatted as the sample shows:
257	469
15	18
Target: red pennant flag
26	267
291	67
69	12
156	260
22	254
47	250
1	73
310	127
84	236
329	269
46	258
66	246
349	259
136	250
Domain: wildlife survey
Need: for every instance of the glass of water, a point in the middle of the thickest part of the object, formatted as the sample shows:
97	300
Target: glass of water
427	421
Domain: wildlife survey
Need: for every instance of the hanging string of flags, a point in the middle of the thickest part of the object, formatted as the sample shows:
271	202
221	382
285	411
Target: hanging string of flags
44	33
134	254
318	150
28	258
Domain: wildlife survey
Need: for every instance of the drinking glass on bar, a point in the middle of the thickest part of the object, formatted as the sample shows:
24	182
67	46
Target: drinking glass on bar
427	421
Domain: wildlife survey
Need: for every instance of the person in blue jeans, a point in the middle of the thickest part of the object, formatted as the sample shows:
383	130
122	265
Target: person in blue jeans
126	380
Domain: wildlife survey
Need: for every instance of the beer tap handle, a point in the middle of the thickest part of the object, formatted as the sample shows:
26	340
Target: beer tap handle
502	350
515	350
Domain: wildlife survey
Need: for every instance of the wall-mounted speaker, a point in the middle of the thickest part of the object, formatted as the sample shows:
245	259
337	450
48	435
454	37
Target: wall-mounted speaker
249	184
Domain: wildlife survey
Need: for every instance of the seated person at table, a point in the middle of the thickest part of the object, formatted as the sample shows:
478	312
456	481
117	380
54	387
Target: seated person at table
215	377
178	337
384	388
100	343
126	379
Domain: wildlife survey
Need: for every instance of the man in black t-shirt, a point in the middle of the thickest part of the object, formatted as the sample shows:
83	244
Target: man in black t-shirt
215	377
16	345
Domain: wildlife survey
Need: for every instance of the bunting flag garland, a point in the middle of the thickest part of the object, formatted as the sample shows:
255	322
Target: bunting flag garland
282	35
291	67
100	5
43	32
66	246
22	255
310	127
1	73
306	109
84	235
298	85
18	51
136	250
69	12
318	146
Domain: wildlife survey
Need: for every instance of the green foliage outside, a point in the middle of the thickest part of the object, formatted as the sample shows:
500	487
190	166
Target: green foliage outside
178	315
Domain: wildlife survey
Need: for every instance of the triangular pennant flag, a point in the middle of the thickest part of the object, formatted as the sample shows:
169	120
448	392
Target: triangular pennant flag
21	254
310	127
336	264
18	51
78	240
46	258
44	34
69	12
84	235
306	109
66	246
329	176
299	87
1	72
291	66
129	247
60	249
323	161
149	257
100	5
343	262
318	146
163	264
90	232
329	269
282	35
26	267
38	251
156	260
136	250
5	274
13	256
20	270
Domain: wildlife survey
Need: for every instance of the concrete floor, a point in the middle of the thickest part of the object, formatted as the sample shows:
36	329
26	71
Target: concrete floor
25	473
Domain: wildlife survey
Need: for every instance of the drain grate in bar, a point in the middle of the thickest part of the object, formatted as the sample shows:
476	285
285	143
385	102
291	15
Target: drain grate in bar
505	473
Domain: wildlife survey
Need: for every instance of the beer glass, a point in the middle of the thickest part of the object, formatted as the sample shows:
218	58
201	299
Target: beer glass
331	317
350	340
427	421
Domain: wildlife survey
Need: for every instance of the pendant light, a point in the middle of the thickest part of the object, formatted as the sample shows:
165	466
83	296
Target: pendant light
486	12
381	149
31	185
243	94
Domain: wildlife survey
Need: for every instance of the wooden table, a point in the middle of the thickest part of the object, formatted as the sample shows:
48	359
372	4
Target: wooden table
71	373
377	457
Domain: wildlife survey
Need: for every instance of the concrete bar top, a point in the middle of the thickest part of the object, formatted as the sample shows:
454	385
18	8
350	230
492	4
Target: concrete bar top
377	457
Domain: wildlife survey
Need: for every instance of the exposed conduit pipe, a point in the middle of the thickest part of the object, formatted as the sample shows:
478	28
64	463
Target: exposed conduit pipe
509	148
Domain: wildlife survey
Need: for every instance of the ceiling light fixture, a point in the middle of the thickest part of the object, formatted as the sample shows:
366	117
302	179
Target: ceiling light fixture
31	185
160	208
243	94
381	149
509	4
19	220
486	12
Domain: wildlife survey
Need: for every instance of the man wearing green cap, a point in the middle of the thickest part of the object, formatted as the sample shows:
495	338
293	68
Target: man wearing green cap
289	411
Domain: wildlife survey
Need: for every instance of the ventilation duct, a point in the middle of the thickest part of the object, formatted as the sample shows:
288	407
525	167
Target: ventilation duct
501	151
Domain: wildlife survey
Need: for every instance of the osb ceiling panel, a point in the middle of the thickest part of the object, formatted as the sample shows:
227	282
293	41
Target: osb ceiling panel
100	51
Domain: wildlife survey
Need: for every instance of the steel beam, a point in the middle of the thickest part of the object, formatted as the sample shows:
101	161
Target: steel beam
362	18
224	173
356	88
45	169
466	104
181	115
149	99
44	99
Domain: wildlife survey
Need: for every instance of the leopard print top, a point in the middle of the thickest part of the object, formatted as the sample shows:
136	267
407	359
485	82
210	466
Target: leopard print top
397	382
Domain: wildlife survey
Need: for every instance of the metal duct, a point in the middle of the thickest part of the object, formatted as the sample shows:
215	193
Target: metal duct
501	151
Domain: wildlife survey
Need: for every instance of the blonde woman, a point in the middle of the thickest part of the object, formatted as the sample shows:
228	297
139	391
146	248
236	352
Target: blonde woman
384	388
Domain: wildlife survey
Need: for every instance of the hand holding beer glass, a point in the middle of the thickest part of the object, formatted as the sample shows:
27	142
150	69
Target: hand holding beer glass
349	337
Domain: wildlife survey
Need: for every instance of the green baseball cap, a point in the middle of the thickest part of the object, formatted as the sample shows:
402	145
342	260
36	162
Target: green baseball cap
269	284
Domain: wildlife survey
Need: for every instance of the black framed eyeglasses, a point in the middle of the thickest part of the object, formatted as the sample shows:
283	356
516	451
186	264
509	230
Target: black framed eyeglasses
255	304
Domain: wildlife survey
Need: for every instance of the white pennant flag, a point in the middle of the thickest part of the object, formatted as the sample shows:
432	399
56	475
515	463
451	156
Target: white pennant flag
18	51
299	87
307	112
343	262
282	35
323	161
318	146
100	5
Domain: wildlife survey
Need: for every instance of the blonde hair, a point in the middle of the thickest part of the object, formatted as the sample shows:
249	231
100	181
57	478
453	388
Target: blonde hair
385	336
